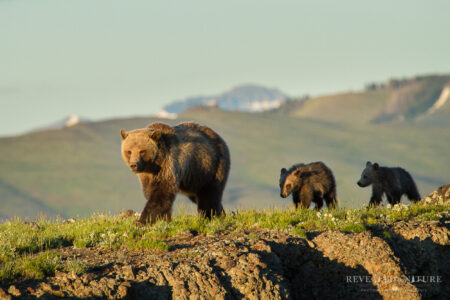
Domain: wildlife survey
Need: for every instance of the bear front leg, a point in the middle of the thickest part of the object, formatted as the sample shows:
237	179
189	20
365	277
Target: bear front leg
210	201
393	198
375	200
159	206
306	196
296	198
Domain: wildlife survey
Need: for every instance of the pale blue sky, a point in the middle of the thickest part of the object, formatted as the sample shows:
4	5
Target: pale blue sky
108	58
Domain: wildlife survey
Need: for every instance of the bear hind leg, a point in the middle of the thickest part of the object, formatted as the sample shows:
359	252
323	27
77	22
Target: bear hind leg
413	194
318	200
330	200
210	201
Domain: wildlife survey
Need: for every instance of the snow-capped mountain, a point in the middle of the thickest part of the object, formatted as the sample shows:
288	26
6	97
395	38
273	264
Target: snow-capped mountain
248	98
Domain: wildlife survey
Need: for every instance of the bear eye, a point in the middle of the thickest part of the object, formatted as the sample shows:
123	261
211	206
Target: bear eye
129	152
142	152
288	186
365	177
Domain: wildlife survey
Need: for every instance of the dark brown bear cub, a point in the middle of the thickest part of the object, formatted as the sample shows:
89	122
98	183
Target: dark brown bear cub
393	181
187	158
313	182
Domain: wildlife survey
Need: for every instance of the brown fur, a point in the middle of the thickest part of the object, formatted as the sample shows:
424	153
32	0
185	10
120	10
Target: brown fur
313	182
187	158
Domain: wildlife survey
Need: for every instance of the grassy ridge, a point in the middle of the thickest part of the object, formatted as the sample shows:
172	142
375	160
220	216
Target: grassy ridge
407	100
353	107
28	249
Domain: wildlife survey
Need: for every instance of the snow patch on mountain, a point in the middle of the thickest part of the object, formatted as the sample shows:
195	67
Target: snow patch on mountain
72	120
246	98
443	98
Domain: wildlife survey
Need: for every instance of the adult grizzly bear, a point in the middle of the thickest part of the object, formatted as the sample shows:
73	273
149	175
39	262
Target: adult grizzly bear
187	158
313	182
393	181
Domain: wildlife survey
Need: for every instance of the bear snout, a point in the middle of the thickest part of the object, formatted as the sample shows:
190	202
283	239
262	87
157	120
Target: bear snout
133	167
361	184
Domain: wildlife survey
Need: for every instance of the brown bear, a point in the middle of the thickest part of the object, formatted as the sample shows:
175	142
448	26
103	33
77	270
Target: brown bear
393	181
187	158
313	182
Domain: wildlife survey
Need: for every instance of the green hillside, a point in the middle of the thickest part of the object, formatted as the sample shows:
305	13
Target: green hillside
79	170
355	107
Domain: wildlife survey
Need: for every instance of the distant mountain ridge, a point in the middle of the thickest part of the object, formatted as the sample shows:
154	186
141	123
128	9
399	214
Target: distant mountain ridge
421	99
68	121
245	98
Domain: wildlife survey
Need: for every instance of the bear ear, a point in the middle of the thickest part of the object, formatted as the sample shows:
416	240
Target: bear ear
155	134
283	170
158	130
368	164
123	133
164	128
297	172
375	166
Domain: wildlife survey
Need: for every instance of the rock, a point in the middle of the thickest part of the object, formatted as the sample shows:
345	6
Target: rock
86	278
440	196
122	290
14	291
4	295
128	273
311	244
127	214
46	287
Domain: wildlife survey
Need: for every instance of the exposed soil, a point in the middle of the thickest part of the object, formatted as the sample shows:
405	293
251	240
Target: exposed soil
263	264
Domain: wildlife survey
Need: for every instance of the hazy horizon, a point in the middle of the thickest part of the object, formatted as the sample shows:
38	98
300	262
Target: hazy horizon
106	59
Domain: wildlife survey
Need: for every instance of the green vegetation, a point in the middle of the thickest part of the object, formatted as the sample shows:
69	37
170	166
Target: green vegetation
386	235
29	250
38	266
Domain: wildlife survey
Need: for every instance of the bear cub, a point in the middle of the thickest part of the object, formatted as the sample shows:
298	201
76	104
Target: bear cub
308	183
394	182
187	158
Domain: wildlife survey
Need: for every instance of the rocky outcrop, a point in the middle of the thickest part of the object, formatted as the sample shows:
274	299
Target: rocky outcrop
440	196
403	260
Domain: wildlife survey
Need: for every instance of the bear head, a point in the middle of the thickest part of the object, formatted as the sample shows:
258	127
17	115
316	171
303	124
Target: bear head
288	181
368	175
142	148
